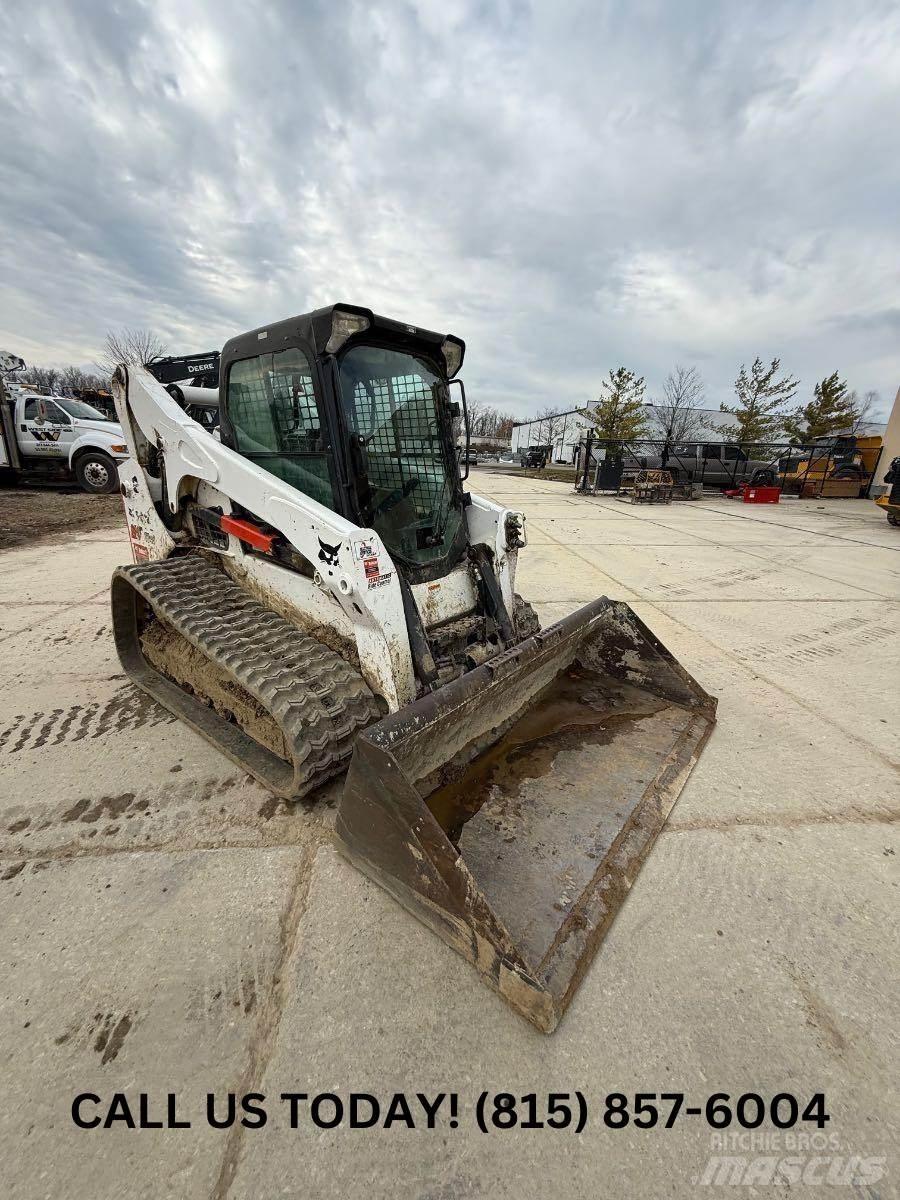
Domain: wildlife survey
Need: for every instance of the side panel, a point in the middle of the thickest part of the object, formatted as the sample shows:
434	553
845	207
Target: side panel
150	540
443	599
487	523
353	566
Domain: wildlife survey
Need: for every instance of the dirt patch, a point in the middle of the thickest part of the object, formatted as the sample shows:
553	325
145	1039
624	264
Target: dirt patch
29	515
557	474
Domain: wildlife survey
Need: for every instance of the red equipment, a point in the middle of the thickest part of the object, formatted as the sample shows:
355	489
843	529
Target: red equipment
761	495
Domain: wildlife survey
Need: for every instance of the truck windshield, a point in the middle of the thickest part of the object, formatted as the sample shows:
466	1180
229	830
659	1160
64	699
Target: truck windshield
78	408
406	466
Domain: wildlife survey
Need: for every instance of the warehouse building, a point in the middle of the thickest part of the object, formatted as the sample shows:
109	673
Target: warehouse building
564	431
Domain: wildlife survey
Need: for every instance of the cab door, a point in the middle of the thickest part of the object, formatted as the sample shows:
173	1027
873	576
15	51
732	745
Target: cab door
58	422
734	465
38	433
712	464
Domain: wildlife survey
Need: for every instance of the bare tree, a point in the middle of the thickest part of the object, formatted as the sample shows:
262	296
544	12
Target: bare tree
861	411
487	421
42	377
134	347
551	422
70	378
80	380
475	410
505	422
679	412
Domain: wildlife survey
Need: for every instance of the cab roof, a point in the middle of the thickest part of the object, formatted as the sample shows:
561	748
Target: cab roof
315	328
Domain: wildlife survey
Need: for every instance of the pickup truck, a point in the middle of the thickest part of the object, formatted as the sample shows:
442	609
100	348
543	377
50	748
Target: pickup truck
56	436
535	456
715	464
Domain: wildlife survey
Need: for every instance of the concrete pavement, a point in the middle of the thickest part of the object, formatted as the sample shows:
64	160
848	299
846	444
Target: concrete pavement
169	928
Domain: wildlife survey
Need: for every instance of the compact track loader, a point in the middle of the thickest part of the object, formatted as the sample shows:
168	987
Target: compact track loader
313	590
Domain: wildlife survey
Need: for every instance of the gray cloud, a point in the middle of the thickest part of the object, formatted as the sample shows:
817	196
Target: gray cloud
569	187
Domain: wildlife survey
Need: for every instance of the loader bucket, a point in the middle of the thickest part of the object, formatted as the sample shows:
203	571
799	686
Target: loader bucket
511	809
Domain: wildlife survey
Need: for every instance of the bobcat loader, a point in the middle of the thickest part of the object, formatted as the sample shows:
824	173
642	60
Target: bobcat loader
315	592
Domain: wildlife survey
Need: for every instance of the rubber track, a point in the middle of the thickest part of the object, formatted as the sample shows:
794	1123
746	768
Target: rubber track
317	699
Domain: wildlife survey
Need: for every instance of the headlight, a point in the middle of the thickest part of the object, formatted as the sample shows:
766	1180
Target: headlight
119	449
343	326
452	351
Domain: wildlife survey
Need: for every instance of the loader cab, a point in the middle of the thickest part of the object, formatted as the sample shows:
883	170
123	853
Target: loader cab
353	410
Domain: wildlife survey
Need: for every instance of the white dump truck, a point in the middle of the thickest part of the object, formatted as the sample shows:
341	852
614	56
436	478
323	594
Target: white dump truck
55	436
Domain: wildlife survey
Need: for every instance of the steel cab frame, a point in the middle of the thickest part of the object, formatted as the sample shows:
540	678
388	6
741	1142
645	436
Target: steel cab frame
325	337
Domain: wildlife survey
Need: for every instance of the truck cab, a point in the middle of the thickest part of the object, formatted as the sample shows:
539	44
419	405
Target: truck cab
61	437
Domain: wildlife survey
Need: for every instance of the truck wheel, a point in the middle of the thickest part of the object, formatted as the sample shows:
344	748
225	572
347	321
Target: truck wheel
96	472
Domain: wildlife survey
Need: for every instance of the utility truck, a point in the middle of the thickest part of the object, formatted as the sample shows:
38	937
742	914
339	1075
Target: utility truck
55	437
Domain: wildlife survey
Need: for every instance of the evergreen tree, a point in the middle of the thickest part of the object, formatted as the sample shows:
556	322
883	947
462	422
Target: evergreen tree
759	400
619	414
831	411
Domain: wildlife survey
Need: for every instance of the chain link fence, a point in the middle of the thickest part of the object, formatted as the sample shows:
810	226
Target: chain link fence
840	466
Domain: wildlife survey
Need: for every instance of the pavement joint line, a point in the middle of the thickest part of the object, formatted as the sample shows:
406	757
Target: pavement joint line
737	600
885	758
739	550
597	570
798	700
75	850
871	599
683	545
817	532
721	512
312	842
35	603
784	821
265	1036
743	551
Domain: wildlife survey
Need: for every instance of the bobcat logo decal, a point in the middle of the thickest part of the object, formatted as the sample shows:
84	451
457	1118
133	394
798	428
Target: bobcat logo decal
328	554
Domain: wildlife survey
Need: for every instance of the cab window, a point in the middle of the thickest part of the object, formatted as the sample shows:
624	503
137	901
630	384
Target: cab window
54	413
271	405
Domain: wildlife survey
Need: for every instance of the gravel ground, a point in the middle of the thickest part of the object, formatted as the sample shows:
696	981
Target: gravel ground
36	514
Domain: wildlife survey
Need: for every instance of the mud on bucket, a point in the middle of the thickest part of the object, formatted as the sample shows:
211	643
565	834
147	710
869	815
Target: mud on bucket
511	809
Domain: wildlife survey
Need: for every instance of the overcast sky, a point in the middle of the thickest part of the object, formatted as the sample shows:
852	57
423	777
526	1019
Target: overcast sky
569	187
